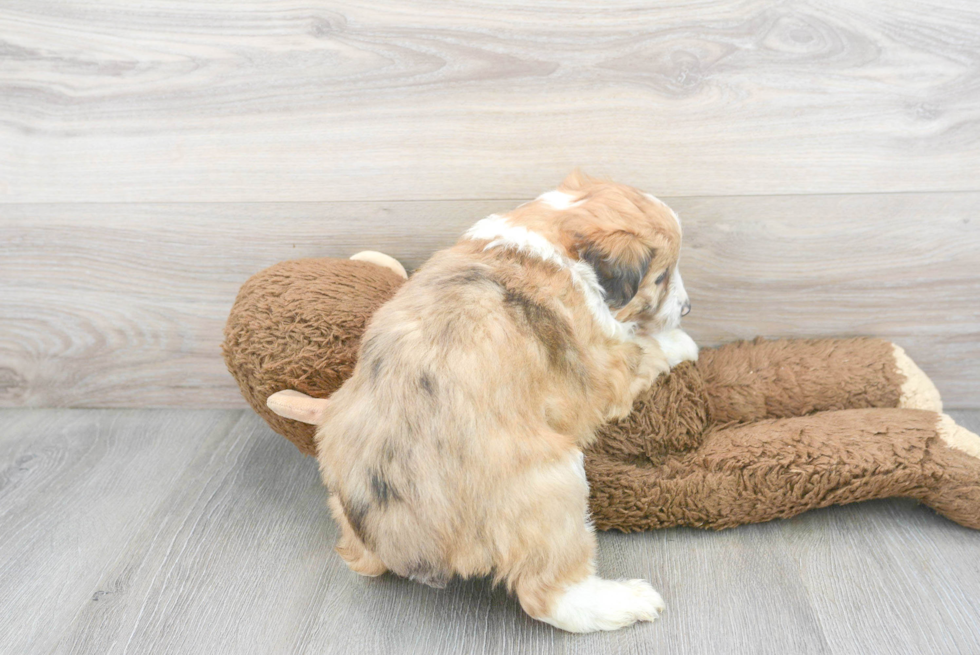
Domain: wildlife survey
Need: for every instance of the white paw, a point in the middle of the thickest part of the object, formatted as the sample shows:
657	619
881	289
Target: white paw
678	346
597	604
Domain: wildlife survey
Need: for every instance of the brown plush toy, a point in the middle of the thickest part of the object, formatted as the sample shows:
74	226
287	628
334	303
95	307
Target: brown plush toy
750	432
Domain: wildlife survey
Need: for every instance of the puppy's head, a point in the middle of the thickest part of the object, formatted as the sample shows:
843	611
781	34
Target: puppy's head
630	239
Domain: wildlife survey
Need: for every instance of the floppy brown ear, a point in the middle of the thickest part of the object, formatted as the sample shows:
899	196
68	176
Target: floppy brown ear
620	261
298	406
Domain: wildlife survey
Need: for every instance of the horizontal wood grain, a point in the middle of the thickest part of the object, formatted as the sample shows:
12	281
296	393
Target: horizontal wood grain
123	305
273	100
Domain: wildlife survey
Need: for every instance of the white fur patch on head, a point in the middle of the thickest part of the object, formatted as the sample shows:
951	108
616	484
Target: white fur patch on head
499	232
502	234
558	200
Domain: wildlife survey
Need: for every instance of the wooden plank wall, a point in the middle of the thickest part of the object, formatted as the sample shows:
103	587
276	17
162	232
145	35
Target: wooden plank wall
824	155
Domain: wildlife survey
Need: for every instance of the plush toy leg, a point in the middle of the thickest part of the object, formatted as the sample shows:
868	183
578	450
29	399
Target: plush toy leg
958	498
671	417
781	467
298	325
753	380
918	391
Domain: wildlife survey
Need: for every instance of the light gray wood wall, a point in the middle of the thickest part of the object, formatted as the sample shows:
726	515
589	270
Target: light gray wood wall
825	158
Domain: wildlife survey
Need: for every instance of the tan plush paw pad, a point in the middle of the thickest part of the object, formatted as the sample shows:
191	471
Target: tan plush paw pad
381	259
958	437
918	391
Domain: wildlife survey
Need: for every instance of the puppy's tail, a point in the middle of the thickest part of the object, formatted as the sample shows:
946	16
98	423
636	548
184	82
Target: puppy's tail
296	405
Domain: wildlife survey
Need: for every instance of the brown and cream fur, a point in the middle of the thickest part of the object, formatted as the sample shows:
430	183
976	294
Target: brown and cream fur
455	448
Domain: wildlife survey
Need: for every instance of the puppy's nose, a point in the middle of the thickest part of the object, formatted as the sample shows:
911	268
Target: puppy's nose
686	309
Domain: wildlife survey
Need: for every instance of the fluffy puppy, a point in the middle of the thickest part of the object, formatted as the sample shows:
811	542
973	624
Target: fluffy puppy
455	448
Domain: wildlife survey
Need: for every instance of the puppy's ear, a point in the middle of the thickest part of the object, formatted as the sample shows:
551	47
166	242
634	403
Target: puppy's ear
620	261
576	181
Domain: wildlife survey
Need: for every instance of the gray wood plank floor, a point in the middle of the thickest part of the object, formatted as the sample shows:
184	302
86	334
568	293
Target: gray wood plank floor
201	531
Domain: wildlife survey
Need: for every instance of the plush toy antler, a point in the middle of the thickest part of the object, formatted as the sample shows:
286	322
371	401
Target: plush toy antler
750	432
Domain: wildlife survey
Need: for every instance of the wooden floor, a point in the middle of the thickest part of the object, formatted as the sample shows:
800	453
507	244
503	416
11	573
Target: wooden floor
201	531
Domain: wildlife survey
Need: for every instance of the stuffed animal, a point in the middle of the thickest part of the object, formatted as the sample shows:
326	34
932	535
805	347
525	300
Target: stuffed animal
750	432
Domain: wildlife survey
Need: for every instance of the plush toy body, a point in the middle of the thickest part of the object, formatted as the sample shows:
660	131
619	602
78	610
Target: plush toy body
768	429
750	432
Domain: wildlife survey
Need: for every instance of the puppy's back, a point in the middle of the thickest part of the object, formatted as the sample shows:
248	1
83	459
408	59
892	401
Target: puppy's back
447	405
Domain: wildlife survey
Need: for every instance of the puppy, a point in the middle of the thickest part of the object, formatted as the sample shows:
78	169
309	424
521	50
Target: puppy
455	448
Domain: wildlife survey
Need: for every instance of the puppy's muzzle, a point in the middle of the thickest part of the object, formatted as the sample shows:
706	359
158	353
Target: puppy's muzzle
686	308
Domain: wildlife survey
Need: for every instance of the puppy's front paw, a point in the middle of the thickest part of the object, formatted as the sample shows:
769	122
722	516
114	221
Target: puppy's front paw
678	346
597	604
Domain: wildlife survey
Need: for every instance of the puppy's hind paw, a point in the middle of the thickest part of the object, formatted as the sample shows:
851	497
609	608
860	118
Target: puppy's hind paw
596	604
649	604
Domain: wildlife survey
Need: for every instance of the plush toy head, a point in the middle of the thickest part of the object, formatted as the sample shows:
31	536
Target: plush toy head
297	325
